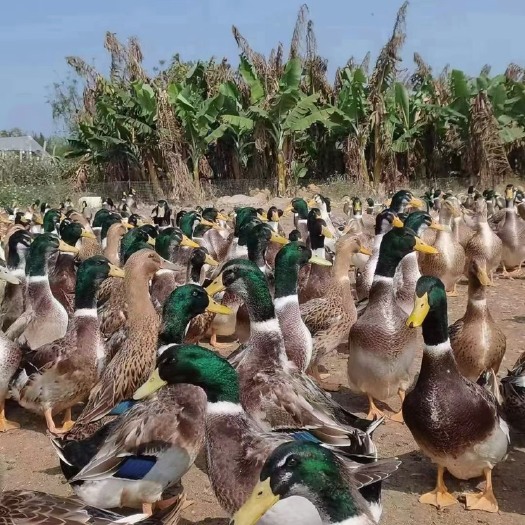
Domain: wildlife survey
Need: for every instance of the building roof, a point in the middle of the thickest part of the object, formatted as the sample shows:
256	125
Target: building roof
26	144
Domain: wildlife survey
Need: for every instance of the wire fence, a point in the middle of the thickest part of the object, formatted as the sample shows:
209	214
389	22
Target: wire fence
335	187
148	193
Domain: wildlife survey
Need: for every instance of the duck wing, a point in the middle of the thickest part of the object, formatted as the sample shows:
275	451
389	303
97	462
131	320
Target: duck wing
136	439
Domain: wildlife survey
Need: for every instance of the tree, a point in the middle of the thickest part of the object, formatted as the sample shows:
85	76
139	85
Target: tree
198	114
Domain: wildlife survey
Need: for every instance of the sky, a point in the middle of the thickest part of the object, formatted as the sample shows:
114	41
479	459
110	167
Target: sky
36	36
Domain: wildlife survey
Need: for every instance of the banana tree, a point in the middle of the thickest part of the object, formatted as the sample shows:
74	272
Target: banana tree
350	120
121	135
236	126
281	116
198	114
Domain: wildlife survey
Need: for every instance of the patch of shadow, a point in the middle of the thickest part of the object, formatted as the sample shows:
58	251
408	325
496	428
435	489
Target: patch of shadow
517	319
53	471
207	521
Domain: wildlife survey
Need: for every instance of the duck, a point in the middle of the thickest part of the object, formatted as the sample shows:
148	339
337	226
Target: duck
111	251
107	222
316	486
195	271
161	214
54	377
30	506
99	219
356	219
62	277
324	205
236	324
189	222
512	236
315	279
135	360
51	221
329	318
131	200
10	357
272	388
140	454
462	224
44	320
108	469
402	201
215	238
408	272
442	401
484	246
373	208
346	201
184	305
14	301
236	444
259	237
298	341
381	347
477	342
299	207
170	245
112	301
448	264
512	392
144	237
237	241
273	216
384	222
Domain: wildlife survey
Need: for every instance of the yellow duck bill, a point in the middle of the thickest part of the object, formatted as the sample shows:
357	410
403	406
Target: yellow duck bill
210	261
441	227
319	260
423	247
419	312
190	243
397	222
327	233
279	239
63	247
261	500
115	271
216	286
88	235
153	384
483	277
217	308
415	202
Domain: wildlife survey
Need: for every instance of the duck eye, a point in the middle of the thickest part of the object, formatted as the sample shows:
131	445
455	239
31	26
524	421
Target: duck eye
194	294
292	462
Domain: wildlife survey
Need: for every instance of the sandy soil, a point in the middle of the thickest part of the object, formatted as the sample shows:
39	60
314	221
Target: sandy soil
33	464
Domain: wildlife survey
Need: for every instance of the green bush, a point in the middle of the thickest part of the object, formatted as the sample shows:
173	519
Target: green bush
25	181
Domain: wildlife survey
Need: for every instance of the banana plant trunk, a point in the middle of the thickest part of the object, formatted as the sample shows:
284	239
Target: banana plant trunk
281	174
236	166
196	179
154	179
378	158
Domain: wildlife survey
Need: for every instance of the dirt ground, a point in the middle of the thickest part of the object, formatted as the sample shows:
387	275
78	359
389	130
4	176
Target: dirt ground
33	464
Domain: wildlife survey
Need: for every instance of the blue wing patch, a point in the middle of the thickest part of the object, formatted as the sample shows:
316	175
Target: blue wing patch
304	435
136	467
122	407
